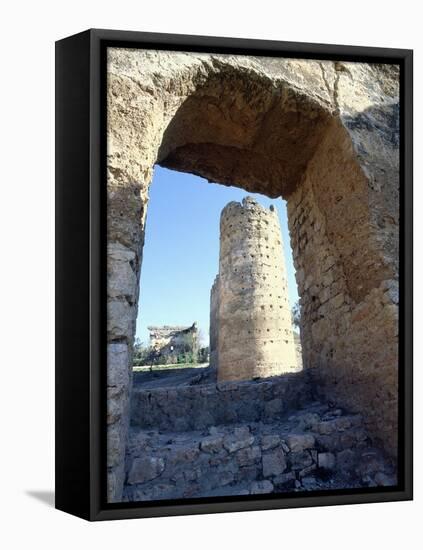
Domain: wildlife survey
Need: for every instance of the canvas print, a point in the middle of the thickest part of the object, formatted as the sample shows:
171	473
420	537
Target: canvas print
252	275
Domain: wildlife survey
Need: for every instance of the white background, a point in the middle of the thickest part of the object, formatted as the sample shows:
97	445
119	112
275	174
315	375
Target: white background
28	32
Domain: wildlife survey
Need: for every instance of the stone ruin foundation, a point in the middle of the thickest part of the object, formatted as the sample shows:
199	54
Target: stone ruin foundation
324	136
252	323
202	439
168	342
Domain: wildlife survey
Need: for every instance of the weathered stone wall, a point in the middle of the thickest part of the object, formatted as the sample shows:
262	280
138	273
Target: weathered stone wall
282	127
298	350
317	447
119	383
254	320
214	323
348	287
198	407
169	342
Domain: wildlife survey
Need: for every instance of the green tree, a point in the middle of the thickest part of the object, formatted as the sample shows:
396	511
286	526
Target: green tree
203	354
141	353
296	315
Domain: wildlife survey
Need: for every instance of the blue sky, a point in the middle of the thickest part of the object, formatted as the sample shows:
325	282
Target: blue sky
181	250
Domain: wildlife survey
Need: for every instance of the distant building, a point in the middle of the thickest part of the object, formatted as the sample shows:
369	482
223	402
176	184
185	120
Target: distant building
169	343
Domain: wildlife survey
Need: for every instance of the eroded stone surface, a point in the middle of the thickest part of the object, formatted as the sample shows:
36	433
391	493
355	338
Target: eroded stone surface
145	469
253	458
207	406
249	299
323	135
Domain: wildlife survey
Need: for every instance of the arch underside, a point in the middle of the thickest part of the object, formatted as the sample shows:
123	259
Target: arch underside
260	139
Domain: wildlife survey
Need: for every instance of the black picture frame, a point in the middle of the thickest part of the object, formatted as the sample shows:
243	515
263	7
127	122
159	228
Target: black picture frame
81	272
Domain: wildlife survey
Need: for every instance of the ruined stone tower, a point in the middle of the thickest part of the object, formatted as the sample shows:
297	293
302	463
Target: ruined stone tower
250	318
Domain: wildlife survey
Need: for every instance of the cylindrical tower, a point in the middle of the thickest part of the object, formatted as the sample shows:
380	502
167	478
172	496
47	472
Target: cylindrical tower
255	338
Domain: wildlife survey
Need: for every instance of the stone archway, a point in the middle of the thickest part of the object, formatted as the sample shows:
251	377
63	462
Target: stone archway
323	136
